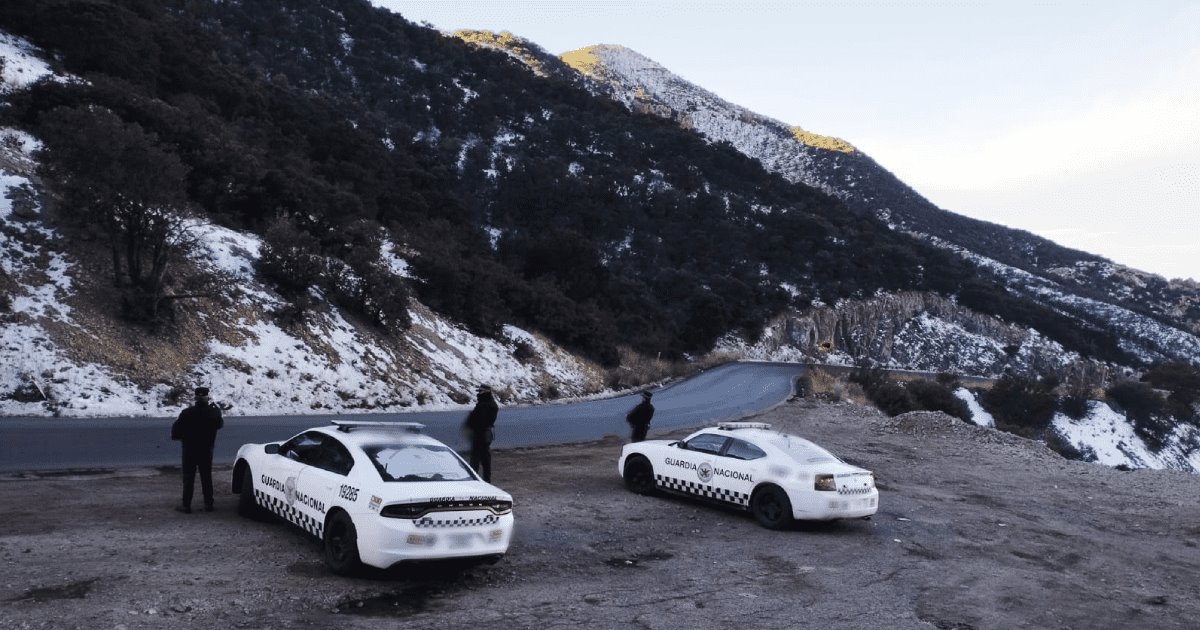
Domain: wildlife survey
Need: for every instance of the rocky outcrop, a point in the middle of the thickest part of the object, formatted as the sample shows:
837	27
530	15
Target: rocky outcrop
912	330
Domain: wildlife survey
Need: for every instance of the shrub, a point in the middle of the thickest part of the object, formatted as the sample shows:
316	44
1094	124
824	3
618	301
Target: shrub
1183	381
1022	405
948	380
1060	445
939	396
524	352
291	259
1146	409
1074	405
892	398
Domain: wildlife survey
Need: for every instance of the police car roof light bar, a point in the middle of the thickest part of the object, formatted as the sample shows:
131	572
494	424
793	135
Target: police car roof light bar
346	425
729	426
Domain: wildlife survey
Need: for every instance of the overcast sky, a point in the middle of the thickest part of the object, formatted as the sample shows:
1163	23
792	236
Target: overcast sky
1078	121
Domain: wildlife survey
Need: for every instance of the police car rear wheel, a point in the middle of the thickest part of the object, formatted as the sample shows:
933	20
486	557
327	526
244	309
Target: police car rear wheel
341	544
639	475
771	508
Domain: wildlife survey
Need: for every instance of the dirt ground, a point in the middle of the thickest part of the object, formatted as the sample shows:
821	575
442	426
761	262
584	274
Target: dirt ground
977	529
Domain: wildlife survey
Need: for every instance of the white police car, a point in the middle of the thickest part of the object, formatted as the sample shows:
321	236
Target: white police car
776	476
375	493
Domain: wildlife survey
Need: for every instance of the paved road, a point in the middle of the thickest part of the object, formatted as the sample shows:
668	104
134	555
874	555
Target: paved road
729	391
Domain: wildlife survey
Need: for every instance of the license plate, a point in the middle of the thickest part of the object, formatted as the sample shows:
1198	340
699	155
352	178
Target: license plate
460	541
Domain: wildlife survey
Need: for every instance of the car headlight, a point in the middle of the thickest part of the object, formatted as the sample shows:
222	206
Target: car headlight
825	483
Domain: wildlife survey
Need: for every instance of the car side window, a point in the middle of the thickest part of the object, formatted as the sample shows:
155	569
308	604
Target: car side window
304	448
707	443
741	449
334	457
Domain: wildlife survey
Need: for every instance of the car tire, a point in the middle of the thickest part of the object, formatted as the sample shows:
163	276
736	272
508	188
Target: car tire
340	542
771	507
247	505
639	475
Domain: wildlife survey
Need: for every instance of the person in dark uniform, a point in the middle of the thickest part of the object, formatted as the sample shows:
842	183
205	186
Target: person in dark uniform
196	429
639	417
480	428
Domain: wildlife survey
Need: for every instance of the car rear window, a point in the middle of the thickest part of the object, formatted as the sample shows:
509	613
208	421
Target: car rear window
802	450
417	462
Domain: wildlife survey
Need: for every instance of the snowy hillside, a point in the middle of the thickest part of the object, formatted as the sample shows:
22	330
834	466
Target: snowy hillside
329	365
58	357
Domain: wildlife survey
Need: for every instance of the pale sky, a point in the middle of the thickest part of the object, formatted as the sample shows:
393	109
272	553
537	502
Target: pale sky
1078	121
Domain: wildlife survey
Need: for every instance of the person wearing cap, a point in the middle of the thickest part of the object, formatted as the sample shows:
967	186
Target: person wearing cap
196	429
480	428
639	417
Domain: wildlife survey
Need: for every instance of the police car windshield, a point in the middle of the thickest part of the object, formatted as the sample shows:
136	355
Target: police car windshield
802	450
417	462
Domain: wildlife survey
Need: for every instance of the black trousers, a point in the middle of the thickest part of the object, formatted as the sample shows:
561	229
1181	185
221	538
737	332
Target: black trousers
481	456
639	432
201	460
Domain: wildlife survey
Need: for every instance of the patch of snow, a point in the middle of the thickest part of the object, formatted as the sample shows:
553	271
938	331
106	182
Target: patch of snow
396	264
22	66
1109	435
43	275
979	415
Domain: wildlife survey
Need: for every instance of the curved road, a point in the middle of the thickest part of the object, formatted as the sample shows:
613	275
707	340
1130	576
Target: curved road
722	393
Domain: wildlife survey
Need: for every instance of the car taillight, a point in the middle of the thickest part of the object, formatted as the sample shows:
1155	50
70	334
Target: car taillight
416	510
404	510
825	483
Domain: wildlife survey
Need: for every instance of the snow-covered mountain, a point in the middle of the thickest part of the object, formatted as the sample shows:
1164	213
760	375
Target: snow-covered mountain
1157	319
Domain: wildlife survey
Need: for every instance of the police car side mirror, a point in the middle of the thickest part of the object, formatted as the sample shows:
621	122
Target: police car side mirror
271	449
682	445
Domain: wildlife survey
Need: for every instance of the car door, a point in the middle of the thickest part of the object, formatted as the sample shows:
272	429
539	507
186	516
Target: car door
288	494
735	472
689	468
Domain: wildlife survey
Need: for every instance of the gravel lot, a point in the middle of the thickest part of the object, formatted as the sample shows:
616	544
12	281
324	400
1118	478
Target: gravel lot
977	529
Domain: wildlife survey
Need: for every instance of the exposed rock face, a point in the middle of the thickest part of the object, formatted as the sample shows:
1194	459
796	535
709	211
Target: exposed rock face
918	331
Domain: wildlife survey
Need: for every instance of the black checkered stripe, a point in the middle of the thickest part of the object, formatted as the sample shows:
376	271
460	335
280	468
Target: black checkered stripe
702	490
490	519
854	491
290	513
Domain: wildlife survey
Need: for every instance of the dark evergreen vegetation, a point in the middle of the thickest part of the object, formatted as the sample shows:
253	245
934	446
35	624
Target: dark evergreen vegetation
1022	405
328	126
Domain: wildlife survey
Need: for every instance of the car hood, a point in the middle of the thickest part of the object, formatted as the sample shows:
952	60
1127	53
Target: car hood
425	491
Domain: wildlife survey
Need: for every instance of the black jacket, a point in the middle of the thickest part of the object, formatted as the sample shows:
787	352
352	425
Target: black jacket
197	425
483	416
640	415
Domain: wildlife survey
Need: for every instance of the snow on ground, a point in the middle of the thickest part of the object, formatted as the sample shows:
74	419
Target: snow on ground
979	415
21	66
1109	435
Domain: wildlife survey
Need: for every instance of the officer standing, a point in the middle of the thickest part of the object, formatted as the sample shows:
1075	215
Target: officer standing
639	417
480	428
196	428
